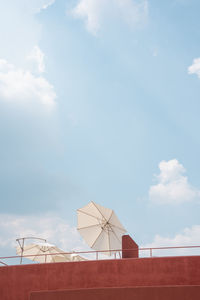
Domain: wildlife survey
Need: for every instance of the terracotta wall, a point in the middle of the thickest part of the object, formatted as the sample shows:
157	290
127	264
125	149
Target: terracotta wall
16	282
129	247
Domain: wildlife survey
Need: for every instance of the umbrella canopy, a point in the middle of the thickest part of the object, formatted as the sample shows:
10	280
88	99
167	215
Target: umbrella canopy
48	251
100	227
76	257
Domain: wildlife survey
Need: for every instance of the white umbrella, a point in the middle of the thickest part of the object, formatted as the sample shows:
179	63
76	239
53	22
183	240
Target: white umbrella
100	227
36	250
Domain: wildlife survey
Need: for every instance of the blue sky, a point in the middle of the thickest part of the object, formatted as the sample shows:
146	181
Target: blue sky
99	100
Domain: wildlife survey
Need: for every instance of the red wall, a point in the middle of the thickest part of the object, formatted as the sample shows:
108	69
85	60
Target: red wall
129	247
16	282
137	293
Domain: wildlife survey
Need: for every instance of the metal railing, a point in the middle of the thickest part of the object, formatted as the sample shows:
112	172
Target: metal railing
153	249
116	254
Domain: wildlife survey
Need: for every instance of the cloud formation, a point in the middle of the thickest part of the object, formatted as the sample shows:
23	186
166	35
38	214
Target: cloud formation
46	4
195	67
21	86
35	6
49	226
37	57
172	187
96	12
187	237
20	28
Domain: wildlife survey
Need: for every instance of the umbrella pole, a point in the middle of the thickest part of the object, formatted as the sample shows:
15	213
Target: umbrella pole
22	248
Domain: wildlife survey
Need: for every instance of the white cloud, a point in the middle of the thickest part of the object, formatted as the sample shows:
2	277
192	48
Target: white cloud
50	226
187	237
195	67
35	6
172	187
20	29
96	12
37	57
21	86
48	3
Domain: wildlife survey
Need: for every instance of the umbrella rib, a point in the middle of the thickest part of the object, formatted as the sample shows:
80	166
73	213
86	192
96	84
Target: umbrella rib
31	247
96	239
59	253
108	231
110	216
83	212
99	210
24	249
53	257
115	225
118	227
108	240
56	250
115	234
36	255
88	226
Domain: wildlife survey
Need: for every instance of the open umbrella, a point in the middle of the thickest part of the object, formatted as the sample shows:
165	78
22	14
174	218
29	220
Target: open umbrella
36	250
100	227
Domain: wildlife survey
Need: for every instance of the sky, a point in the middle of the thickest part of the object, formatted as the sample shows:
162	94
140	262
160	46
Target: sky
99	101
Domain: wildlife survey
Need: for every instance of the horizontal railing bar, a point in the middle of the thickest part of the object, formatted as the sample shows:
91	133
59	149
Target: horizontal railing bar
175	247
102	251
60	253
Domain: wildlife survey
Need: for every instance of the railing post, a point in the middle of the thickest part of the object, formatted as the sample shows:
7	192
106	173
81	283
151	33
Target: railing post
150	252
22	250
